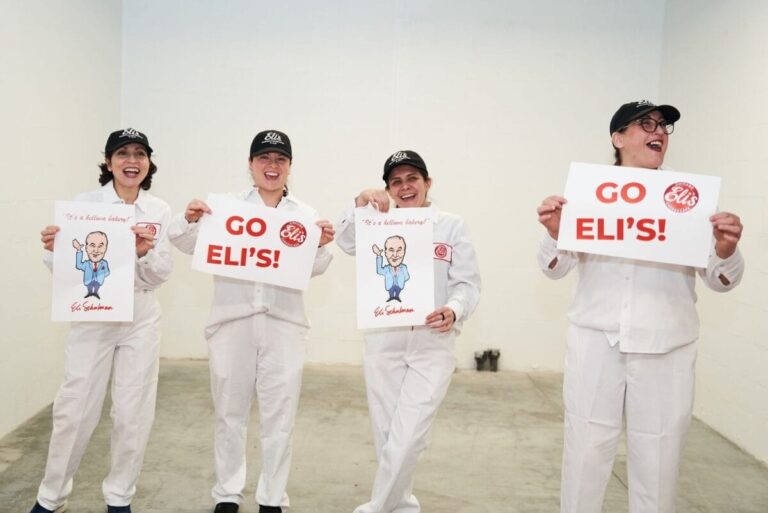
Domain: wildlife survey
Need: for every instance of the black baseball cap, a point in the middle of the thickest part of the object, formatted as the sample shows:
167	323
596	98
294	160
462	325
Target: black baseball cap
271	140
635	110
120	138
403	157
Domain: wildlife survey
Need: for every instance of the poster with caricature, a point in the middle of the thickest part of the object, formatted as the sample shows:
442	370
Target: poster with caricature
395	267
94	257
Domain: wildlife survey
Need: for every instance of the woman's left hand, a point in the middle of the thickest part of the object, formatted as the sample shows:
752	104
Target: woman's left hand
441	319
145	240
727	229
327	233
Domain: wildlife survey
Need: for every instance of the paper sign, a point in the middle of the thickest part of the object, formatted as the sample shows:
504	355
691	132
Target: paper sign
94	259
256	243
643	214
395	267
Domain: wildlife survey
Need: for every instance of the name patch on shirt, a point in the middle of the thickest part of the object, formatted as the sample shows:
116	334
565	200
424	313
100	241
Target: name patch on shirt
443	251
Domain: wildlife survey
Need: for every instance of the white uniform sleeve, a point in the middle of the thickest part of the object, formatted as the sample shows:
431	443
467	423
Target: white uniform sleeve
345	231
48	259
154	268
323	256
463	276
322	260
731	268
566	260
182	234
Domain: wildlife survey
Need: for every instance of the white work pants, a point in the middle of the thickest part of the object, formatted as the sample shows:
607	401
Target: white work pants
407	373
131	351
264	354
655	394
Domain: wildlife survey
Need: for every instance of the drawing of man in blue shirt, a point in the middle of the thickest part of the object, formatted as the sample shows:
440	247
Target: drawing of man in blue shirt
396	273
95	268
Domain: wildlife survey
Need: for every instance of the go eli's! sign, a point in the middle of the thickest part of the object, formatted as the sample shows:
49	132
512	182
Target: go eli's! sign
256	243
643	214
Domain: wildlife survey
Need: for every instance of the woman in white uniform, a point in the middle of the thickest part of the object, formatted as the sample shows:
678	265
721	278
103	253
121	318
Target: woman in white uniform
256	341
130	350
408	369
631	342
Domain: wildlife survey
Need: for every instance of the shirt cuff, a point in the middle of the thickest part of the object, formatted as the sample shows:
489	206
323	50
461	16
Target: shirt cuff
145	260
457	308
729	267
548	248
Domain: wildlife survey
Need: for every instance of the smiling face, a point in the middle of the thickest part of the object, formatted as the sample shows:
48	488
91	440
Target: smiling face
270	171
639	148
96	246
394	250
129	166
408	187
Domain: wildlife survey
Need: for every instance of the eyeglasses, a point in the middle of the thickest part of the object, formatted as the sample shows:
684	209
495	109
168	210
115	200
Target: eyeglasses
650	125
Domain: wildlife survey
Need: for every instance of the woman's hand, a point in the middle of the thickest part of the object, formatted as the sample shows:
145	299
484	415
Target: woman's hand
327	232
727	229
48	235
441	319
195	211
376	197
145	239
549	214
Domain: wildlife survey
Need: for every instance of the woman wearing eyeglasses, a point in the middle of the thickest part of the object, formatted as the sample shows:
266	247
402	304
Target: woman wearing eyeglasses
631	341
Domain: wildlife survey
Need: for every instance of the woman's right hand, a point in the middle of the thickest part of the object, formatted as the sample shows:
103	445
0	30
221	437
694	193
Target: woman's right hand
549	214
47	236
376	197
195	211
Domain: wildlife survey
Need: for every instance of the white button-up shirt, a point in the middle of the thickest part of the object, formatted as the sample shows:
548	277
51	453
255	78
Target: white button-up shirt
237	299
646	307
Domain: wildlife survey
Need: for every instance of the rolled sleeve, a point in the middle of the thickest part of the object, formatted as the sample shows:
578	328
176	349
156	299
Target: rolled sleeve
731	268
548	252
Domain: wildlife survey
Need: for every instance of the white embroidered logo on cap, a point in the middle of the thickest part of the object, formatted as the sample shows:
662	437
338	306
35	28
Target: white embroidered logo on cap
397	157
273	138
645	103
132	133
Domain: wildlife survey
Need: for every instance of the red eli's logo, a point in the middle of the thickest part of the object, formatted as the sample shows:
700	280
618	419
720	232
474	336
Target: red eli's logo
681	197
443	251
293	234
154	228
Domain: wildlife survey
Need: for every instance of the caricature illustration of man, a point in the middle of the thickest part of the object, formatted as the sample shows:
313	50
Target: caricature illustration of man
396	273
95	268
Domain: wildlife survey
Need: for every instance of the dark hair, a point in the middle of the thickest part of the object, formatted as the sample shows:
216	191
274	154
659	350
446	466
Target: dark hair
422	172
106	175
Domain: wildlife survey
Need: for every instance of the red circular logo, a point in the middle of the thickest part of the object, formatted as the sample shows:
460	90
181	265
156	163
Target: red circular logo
441	251
681	197
293	234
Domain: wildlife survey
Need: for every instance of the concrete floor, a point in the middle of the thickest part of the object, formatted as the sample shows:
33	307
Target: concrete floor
495	448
